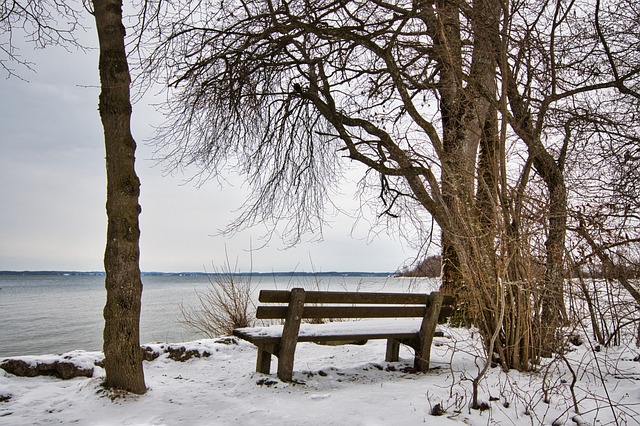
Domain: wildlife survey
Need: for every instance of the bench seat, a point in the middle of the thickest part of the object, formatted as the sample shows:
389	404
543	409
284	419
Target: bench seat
366	329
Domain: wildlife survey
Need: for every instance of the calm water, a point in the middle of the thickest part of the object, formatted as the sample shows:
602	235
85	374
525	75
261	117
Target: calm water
55	314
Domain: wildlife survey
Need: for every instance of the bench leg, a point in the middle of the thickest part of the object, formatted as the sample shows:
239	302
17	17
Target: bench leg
427	329
423	354
289	340
393	350
263	363
285	367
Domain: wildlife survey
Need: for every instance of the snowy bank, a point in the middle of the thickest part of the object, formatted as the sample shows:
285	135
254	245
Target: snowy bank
215	384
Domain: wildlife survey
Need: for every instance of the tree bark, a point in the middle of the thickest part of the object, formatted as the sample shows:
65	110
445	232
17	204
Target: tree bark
469	121
553	309
553	312
458	157
123	356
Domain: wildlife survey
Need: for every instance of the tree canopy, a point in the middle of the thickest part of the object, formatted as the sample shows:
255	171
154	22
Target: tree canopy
496	120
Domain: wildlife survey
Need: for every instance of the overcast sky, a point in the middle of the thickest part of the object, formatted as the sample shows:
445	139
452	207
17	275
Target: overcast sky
53	191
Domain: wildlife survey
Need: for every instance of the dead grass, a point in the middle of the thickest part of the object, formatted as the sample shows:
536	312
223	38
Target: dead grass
225	305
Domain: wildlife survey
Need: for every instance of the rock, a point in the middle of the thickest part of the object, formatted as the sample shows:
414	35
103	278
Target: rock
266	382
68	370
61	369
149	354
437	410
576	339
227	341
19	368
180	353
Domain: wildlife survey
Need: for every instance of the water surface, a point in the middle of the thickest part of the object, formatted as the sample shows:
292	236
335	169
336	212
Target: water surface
42	314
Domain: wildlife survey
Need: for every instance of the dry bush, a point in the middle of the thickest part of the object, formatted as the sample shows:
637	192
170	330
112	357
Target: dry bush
606	294
226	304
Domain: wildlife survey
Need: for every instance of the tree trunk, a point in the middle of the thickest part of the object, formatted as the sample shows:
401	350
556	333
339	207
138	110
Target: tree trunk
458	158
553	312
123	356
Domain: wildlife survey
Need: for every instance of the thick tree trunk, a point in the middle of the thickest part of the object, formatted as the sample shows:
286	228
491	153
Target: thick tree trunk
469	121
458	158
123	356
553	309
553	312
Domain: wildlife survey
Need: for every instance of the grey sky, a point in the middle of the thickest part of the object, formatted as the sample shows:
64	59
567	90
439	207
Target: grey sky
53	191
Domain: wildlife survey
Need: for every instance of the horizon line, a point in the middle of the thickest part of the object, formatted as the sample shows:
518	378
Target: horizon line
75	272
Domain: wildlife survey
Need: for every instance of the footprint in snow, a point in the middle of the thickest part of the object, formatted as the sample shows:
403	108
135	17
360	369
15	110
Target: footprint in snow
320	396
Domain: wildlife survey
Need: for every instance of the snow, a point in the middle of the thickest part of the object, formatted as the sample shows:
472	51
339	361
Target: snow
334	385
372	326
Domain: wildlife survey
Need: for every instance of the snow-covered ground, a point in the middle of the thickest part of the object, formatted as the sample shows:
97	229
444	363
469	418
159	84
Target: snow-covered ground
335	385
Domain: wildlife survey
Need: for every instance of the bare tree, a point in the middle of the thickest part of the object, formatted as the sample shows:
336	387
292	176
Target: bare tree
606	218
571	88
41	22
462	112
47	22
123	356
290	87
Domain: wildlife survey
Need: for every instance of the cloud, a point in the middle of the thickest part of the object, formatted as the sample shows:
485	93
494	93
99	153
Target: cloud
53	192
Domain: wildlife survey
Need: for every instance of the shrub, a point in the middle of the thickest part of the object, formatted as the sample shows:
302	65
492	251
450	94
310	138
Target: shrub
226	304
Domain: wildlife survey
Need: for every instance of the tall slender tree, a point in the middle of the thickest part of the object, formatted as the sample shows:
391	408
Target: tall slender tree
123	356
47	22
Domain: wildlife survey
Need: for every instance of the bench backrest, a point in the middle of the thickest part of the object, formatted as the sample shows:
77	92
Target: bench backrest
338	304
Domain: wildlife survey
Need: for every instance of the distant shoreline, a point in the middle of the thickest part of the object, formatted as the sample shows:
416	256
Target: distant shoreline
189	274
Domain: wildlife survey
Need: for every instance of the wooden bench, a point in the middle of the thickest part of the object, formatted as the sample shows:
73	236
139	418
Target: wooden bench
416	316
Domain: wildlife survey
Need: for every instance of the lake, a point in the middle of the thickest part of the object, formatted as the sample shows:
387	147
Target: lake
50	314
